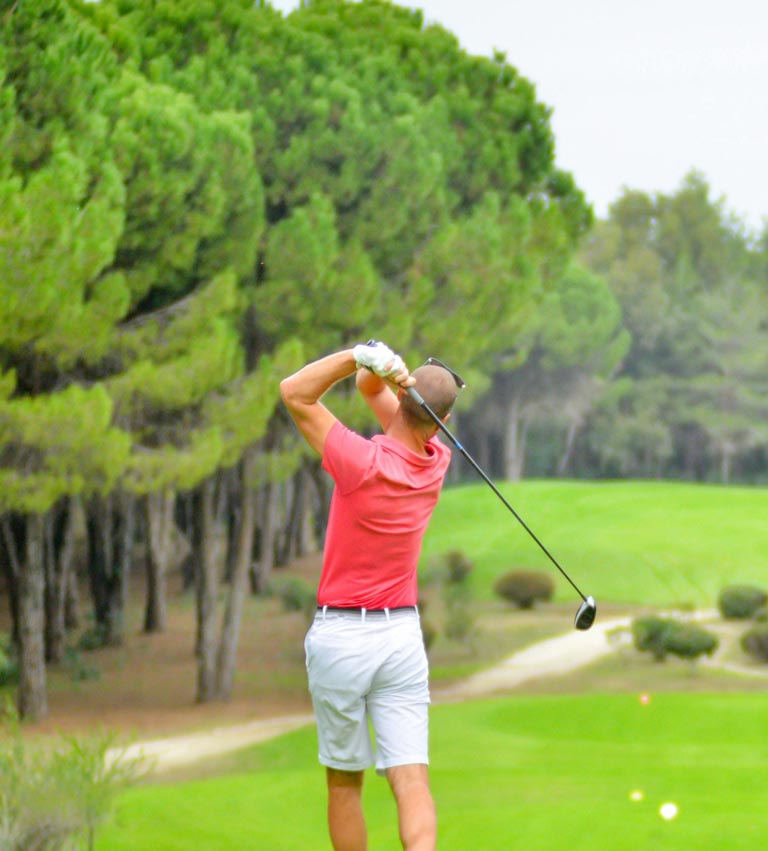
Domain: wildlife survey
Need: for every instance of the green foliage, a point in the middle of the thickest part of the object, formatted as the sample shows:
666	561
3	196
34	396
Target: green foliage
754	642
429	633
525	588
693	386
689	641
295	594
9	666
190	191
58	444
648	634
741	602
57	799
661	636
458	567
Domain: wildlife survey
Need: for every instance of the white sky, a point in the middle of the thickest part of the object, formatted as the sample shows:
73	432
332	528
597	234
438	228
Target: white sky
641	90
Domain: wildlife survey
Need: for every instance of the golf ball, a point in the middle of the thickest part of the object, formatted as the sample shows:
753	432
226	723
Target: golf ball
668	811
636	795
645	699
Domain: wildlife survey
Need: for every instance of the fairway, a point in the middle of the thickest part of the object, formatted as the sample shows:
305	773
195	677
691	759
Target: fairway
544	773
625	542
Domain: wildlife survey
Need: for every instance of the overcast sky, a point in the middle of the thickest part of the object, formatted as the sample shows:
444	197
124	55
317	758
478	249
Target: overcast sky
641	91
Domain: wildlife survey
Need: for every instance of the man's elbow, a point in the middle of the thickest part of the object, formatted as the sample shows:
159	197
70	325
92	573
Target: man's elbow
287	391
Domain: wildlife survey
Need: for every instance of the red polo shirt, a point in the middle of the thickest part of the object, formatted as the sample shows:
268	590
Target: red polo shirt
381	505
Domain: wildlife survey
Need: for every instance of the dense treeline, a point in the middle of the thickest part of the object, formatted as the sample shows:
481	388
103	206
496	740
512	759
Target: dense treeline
689	397
196	196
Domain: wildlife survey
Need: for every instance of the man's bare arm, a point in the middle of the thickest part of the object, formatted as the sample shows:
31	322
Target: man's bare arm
378	395
303	390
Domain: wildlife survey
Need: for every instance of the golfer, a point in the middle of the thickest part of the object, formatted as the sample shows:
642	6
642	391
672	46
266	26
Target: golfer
365	652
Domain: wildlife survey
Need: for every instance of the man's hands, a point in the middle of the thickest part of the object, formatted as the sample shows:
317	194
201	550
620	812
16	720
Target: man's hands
383	362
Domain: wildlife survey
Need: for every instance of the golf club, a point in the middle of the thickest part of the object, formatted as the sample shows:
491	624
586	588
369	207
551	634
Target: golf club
585	616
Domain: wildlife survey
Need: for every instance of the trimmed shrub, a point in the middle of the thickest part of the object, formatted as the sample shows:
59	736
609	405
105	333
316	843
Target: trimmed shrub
294	593
740	602
428	634
459	622
525	588
754	642
689	641
648	634
458	567
661	636
9	668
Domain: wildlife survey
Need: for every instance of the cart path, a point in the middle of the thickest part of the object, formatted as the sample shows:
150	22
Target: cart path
553	657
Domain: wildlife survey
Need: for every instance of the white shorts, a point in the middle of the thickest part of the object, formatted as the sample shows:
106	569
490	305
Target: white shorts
369	667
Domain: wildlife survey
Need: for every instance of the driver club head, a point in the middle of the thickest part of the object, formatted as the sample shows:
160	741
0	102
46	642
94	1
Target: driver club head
585	616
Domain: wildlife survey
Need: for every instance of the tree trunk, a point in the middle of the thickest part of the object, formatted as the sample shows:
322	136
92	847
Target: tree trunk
268	511
230	631
59	556
72	602
206	567
110	538
33	701
159	513
13	530
726	461
570	439
514	442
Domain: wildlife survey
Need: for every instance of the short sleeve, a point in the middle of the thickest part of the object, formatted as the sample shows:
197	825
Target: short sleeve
347	457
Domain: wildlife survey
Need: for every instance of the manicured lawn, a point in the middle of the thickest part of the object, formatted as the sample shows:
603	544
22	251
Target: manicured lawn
623	542
550	773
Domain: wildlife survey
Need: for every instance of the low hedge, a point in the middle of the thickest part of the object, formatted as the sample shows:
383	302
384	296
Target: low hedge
754	642
525	588
741	602
662	636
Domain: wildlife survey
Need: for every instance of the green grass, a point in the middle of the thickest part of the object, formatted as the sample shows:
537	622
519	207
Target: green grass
550	773
624	542
553	769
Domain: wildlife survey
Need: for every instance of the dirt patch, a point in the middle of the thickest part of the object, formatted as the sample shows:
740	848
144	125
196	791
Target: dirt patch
147	687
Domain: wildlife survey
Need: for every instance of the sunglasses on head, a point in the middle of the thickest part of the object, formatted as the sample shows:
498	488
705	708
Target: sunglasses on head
456	377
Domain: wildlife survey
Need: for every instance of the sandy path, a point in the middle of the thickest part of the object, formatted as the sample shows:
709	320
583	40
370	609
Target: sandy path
553	657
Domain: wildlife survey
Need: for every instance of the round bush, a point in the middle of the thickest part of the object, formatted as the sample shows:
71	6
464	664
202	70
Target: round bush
9	668
740	602
428	633
525	587
458	566
754	642
648	635
689	641
294	593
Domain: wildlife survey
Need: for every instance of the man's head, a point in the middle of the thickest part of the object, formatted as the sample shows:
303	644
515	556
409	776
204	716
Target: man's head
437	387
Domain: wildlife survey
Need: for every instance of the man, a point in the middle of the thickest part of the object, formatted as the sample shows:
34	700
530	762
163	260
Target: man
365	653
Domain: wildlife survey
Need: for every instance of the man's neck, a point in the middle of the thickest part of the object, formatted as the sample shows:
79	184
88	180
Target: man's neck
412	438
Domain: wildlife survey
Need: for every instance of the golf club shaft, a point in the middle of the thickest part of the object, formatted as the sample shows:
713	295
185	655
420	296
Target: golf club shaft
416	396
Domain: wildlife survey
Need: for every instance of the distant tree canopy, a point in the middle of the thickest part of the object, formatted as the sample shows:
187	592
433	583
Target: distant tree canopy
691	397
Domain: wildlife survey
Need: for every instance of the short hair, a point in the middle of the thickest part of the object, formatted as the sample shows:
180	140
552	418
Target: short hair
437	388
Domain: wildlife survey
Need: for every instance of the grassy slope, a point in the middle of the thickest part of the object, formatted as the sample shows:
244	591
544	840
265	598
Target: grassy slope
624	542
545	771
550	773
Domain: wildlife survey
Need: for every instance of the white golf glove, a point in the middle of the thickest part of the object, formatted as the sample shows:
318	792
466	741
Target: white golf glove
378	358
